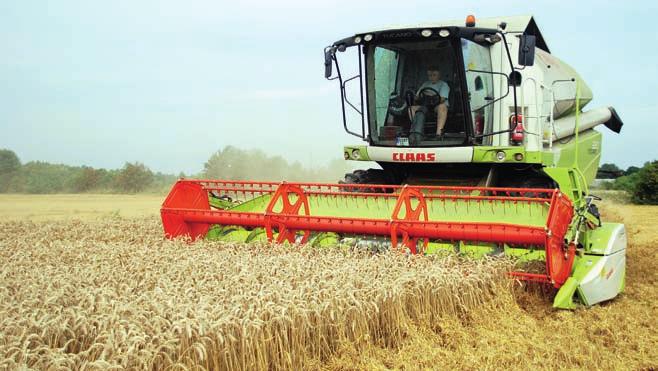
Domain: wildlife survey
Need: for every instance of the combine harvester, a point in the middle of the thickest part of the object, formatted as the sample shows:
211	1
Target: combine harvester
507	173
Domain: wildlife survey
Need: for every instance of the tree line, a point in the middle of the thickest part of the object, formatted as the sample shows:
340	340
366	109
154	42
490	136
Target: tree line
238	164
38	177
612	171
641	183
228	163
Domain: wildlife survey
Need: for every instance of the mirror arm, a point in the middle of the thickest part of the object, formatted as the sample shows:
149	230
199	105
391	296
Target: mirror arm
511	64
494	100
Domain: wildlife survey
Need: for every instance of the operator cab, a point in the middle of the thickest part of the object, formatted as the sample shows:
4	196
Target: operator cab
398	110
397	74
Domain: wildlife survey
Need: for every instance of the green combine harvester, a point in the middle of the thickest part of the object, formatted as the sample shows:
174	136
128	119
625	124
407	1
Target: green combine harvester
483	148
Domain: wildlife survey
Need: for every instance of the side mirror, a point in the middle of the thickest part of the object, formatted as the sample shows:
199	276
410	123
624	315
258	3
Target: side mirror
327	63
527	50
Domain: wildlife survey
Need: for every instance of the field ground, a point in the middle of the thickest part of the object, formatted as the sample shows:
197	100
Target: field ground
77	206
111	292
522	331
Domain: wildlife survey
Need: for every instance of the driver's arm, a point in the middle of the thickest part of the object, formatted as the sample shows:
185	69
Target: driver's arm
419	89
417	96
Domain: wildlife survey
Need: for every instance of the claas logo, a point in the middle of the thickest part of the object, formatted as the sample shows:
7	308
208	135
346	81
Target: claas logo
414	157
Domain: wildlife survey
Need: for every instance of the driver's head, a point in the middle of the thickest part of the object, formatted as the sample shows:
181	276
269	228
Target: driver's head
433	74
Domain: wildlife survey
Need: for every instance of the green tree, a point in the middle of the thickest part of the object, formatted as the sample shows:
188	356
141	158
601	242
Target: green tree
133	178
41	177
624	183
9	166
88	179
9	162
609	171
646	188
228	163
631	170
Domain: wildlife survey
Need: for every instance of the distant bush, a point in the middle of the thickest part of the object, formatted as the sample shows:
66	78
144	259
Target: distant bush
133	178
9	166
609	171
623	183
646	187
90	179
631	170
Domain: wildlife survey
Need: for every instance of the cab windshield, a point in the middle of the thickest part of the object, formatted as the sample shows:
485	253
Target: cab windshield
417	93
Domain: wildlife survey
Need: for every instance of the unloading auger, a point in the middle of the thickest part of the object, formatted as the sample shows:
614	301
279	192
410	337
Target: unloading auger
478	155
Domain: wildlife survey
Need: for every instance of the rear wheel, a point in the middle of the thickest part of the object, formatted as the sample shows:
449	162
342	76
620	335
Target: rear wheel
370	176
537	182
541	183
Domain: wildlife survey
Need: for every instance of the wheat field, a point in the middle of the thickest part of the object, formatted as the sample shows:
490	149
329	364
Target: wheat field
111	293
86	206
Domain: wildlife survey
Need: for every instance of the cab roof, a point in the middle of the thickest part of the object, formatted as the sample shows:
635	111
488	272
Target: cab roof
518	23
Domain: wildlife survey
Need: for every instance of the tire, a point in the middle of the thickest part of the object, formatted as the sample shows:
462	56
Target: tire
525	181
370	176
542	183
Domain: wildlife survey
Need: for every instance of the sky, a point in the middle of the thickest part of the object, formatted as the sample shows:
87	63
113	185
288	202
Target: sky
168	83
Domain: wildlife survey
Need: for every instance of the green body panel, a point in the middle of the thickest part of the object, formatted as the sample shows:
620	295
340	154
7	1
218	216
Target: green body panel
479	250
381	207
574	164
325	239
235	234
254	205
348	153
564	297
568	180
596	241
219	203
584	156
581	267
488	154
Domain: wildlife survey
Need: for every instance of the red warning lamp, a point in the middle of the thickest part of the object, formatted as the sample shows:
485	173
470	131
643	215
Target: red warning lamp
470	20
479	124
517	132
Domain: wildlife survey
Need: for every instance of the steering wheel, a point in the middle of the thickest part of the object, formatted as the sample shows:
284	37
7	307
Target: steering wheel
427	99
428	88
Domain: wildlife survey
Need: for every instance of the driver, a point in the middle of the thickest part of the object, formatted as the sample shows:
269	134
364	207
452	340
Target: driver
431	87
